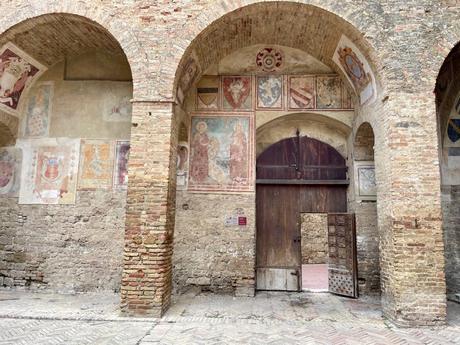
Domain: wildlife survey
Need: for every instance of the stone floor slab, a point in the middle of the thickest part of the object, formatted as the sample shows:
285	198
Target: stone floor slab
200	318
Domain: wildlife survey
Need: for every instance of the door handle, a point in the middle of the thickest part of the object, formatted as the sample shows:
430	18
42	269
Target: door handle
296	273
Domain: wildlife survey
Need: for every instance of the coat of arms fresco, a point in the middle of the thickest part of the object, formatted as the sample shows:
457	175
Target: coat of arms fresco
10	171
302	92
328	92
270	92
356	68
365	183
237	93
207	93
17	71
50	171
221	153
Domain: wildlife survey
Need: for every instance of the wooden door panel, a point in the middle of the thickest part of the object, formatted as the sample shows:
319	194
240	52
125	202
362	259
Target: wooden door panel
278	234
278	279
343	273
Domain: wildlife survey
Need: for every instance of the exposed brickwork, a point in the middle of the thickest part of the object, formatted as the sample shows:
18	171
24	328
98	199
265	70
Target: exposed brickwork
67	250
147	269
405	43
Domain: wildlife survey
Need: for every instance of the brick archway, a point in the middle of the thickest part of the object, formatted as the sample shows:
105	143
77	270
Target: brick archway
23	12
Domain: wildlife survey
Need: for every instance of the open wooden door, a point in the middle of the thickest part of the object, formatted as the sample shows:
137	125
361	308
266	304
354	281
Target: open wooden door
294	175
343	271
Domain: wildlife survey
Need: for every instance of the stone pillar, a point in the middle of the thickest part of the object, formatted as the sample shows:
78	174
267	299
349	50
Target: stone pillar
412	249
147	268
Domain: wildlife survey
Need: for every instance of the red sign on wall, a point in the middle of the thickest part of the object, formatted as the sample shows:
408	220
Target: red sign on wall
242	221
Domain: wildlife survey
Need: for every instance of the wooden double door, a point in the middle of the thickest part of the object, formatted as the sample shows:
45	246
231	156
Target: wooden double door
288	186
278	229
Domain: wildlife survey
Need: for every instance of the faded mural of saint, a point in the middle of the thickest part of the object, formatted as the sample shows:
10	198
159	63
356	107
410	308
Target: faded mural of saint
220	153
17	70
270	92
96	164
120	176
37	118
10	171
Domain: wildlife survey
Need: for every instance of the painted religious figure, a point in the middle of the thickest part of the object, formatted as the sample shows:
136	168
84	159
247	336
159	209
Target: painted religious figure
328	92
182	165
10	171
207	93
302	92
120	176
355	66
237	93
50	173
17	71
270	92
96	164
220	153
37	117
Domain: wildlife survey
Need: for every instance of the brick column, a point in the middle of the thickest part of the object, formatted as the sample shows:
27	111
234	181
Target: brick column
147	268
409	207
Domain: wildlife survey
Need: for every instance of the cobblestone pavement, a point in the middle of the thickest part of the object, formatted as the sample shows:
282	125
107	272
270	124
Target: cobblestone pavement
269	318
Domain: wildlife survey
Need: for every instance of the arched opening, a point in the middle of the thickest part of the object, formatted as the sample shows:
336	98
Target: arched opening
68	82
300	182
447	93
244	87
363	202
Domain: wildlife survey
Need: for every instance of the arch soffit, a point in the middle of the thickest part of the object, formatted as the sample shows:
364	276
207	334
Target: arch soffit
18	16
208	30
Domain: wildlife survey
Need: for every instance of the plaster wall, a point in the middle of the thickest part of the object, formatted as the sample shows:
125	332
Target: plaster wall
79	247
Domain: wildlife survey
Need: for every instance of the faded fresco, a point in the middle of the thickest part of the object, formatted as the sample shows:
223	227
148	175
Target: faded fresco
356	68
270	92
453	130
121	111
221	154
17	71
237	93
10	171
191	71
302	92
269	59
328	92
50	171
207	93
346	98
38	111
96	164
117	102
182	164
365	183
120	175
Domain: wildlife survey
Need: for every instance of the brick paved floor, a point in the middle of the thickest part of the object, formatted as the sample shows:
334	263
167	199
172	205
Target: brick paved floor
269	318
